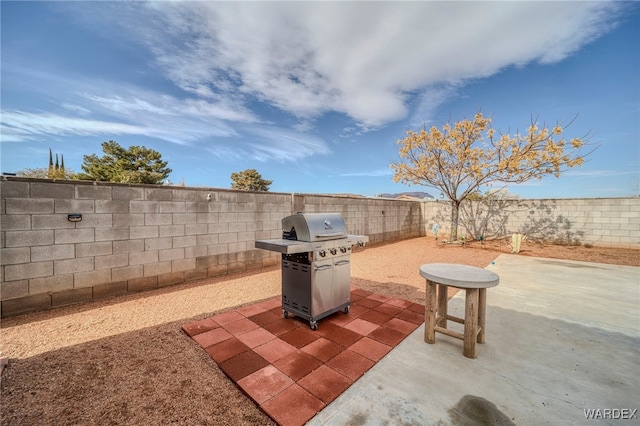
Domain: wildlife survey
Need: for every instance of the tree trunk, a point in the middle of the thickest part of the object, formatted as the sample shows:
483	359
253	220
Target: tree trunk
455	214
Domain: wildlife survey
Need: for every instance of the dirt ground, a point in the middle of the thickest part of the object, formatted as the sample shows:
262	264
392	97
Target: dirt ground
125	360
614	256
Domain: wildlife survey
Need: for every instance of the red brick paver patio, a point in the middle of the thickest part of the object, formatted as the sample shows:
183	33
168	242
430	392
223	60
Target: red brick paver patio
292	372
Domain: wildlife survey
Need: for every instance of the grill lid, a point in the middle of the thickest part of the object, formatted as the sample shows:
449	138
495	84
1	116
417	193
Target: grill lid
312	227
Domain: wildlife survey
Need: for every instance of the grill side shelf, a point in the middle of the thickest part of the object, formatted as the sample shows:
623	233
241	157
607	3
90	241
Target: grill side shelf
356	239
284	246
291	246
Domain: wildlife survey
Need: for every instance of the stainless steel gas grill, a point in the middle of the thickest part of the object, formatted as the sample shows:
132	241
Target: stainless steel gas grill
316	259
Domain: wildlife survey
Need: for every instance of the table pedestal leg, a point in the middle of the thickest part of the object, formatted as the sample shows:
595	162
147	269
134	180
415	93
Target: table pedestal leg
443	291
470	322
482	313
430	313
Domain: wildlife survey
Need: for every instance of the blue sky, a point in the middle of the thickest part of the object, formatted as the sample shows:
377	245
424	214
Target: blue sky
315	95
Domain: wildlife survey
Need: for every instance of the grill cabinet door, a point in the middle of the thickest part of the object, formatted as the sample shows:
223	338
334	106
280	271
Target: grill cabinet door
331	284
321	288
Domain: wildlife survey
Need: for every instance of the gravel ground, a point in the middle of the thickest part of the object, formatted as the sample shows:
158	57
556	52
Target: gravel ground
125	360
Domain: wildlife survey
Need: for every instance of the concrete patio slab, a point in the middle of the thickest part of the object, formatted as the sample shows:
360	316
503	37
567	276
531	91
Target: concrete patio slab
562	347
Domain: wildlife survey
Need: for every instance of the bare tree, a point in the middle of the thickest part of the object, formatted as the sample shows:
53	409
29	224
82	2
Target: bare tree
462	158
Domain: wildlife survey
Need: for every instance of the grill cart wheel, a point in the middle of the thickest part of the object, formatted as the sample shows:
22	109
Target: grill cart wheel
286	314
313	325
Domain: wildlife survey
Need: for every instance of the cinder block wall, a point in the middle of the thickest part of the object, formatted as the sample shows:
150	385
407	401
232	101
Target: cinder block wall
380	219
605	222
139	237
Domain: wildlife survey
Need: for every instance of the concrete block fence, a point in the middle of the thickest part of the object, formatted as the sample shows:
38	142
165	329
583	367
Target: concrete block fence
139	237
604	222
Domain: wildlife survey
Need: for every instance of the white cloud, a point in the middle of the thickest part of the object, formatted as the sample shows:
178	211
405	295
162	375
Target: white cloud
141	113
600	173
238	61
87	106
180	121
19	126
362	59
263	143
283	145
428	102
369	173
76	108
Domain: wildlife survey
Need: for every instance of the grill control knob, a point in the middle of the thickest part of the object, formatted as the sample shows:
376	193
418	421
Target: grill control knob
343	249
333	251
322	253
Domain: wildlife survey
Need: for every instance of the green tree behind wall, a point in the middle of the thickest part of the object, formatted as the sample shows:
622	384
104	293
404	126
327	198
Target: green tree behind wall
249	180
136	164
